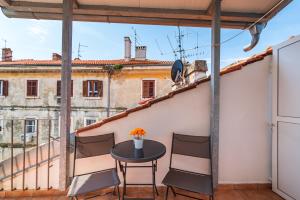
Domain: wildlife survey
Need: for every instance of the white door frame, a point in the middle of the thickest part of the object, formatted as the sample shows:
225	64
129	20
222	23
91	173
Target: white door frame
276	118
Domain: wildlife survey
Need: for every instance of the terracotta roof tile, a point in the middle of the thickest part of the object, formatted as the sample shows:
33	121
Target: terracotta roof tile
86	62
231	68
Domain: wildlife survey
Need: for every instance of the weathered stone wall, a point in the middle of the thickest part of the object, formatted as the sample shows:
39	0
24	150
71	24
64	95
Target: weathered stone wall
125	92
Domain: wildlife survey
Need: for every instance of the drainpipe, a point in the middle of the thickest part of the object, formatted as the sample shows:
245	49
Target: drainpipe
255	32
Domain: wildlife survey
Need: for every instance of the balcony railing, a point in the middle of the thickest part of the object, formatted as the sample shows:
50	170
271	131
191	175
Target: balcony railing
29	147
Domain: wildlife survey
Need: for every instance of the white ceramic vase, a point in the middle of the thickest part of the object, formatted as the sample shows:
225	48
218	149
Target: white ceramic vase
138	143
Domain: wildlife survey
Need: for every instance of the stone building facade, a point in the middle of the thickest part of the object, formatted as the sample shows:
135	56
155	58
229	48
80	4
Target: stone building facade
30	93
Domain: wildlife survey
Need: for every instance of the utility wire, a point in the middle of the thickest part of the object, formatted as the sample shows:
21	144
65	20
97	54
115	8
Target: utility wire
247	28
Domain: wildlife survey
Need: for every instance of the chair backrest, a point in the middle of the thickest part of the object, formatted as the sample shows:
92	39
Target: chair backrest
89	146
188	145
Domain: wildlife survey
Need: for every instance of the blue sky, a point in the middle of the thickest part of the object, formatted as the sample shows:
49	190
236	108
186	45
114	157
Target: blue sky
38	39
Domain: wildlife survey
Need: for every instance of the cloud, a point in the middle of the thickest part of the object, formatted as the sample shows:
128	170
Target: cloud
38	32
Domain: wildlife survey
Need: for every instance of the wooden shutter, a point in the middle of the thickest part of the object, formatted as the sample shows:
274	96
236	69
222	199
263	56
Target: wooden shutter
58	88
5	88
32	87
28	89
151	89
85	88
148	88
100	88
145	89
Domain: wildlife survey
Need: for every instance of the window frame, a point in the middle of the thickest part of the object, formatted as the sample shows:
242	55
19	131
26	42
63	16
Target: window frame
90	86
35	125
89	118
37	88
154	89
4	88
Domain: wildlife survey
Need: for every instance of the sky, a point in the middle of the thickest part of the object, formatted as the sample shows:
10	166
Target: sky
38	39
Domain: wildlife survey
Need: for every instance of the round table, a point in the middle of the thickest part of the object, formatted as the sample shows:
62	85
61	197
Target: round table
126	153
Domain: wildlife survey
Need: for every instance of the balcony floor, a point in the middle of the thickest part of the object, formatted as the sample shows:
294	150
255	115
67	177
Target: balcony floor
223	194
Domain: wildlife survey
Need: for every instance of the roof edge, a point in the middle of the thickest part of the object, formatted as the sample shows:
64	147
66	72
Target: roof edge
229	69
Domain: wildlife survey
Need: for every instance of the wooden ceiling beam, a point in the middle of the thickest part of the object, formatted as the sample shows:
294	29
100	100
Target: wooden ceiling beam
5	3
128	20
75	4
131	11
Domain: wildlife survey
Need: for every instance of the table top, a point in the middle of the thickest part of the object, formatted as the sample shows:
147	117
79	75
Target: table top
125	151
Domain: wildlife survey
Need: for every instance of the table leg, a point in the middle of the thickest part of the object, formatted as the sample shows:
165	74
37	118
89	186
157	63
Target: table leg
125	182
123	170
155	170
153	180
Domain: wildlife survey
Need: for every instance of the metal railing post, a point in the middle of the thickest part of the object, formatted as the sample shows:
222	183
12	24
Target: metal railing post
48	159
12	156
24	144
37	157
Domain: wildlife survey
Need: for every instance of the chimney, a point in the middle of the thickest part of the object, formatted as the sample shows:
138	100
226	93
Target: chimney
127	43
6	55
140	52
56	56
196	71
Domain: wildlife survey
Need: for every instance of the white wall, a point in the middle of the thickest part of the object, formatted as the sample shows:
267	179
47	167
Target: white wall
245	140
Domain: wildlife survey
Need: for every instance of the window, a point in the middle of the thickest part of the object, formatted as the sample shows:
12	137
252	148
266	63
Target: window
92	88
148	88
89	121
30	126
58	88
3	88
32	88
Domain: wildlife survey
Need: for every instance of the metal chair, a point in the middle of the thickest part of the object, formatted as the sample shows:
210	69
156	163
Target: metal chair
91	146
192	146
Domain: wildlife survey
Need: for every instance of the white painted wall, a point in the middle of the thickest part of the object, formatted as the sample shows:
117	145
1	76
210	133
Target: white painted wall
245	140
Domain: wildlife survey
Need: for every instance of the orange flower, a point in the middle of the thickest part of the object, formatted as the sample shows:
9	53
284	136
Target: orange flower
137	132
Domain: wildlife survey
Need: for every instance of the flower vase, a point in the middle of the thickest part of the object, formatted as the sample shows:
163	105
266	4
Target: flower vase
138	143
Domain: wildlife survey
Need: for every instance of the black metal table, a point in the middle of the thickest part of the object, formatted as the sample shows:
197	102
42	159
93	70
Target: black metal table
126	153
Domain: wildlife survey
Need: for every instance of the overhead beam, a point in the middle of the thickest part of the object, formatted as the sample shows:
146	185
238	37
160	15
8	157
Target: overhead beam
209	9
75	4
215	89
65	107
130	11
5	3
130	20
282	5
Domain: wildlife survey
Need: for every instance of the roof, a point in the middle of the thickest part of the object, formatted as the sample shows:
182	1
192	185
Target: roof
198	13
31	62
229	69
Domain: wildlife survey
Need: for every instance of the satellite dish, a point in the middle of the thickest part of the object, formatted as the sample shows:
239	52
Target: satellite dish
177	70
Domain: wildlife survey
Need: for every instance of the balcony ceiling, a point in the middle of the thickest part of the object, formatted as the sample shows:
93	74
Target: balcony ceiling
237	14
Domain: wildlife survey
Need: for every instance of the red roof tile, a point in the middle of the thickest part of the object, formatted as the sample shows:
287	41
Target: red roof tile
87	62
231	68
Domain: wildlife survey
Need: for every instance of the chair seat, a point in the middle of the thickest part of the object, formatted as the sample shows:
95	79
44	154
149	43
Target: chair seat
91	182
190	181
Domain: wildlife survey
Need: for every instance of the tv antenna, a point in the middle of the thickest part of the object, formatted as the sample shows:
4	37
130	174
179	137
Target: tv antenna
180	52
5	42
137	39
79	50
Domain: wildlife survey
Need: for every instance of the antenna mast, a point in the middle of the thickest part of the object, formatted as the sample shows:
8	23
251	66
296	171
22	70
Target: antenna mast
5	42
79	50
